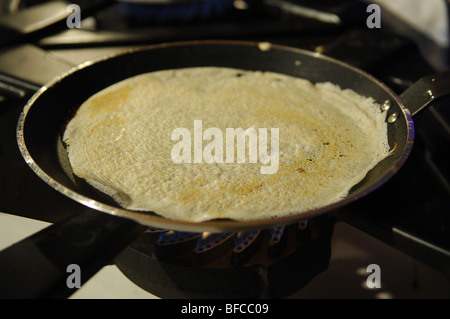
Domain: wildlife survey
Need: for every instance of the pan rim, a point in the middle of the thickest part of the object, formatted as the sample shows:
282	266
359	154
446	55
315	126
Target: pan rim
158	221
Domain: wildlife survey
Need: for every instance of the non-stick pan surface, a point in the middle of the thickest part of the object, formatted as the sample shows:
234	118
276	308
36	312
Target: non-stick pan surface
43	119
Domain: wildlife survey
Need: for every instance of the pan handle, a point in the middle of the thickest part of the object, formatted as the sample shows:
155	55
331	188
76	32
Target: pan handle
51	263
426	91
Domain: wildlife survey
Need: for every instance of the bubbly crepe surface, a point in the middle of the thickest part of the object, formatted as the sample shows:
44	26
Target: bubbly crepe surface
120	142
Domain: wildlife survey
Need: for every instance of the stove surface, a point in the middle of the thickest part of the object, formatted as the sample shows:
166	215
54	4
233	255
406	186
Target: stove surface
352	252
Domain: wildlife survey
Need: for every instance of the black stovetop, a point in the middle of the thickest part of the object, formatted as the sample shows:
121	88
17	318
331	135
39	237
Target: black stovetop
411	212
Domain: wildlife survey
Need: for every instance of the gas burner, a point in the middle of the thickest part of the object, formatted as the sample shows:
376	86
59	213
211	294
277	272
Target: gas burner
269	263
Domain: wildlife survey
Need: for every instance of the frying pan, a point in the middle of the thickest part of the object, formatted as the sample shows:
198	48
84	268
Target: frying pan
42	121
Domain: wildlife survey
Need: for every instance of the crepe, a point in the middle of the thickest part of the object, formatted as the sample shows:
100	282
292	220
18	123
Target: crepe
130	141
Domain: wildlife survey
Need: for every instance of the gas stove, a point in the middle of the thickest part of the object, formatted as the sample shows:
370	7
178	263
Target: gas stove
404	227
